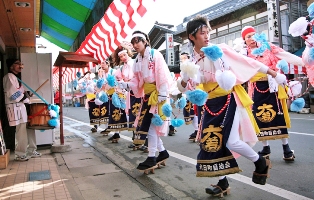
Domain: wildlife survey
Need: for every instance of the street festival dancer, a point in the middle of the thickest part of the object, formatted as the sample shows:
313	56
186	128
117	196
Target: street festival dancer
150	82
98	114
15	97
270	99
226	112
117	105
123	54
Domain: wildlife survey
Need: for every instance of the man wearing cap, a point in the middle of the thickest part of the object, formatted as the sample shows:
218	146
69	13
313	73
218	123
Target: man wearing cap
15	98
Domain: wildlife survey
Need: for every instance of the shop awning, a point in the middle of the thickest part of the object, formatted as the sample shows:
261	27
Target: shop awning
118	23
63	19
116	26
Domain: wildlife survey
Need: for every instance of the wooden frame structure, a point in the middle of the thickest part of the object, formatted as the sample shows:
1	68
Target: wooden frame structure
70	60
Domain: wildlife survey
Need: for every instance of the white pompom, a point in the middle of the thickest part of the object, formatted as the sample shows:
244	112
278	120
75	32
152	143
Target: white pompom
98	102
92	75
238	44
225	79
298	27
52	113
295	88
190	69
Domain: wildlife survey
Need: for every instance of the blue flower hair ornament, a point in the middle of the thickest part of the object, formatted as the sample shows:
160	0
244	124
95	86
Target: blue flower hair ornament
261	38
181	103
122	103
177	122
212	52
100	83
78	74
111	80
75	83
297	105
103	96
260	50
156	120
54	114
115	100
198	97
166	109
283	66
310	10
83	90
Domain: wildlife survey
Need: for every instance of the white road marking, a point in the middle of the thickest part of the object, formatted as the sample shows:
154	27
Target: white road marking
307	134
238	177
303	118
76	124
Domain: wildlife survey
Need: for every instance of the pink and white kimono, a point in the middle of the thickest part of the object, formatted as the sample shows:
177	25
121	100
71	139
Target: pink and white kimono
226	122
125	73
151	77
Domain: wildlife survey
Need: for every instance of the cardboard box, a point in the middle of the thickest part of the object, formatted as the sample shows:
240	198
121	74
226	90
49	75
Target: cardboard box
4	159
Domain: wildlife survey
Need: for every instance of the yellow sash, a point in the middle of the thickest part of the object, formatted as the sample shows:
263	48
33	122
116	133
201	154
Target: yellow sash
151	89
282	96
257	76
90	96
110	91
218	92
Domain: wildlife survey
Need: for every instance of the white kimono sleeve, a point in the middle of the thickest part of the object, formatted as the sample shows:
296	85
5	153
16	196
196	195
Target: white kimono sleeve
10	85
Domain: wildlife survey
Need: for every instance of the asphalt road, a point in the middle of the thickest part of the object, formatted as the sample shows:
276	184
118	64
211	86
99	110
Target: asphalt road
288	180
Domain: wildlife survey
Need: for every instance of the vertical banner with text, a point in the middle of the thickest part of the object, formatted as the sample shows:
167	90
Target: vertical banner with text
169	49
272	21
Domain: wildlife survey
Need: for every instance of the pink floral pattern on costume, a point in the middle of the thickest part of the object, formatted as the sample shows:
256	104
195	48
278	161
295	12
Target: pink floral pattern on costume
268	57
310	73
125	72
143	72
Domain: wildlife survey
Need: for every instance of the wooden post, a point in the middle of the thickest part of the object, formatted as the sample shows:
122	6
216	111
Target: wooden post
61	105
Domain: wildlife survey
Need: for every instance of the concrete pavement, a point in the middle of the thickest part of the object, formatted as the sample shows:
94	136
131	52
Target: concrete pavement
14	182
82	173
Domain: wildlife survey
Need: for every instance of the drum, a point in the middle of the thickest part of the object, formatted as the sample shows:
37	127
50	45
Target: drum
38	117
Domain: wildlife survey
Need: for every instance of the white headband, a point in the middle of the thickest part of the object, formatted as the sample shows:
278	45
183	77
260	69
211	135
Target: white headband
121	52
139	35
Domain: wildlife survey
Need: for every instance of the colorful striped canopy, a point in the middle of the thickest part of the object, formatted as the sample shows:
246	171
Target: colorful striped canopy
118	22
63	19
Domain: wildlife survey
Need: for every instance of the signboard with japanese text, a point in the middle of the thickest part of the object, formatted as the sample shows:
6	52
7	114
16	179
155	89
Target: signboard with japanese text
272	21
169	49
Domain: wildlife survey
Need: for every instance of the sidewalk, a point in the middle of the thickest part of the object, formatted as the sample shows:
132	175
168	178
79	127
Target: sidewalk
14	182
82	173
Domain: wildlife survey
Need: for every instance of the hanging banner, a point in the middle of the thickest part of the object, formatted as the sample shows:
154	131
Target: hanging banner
169	49
272	21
